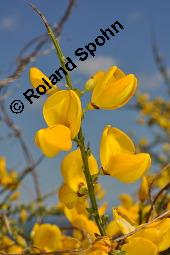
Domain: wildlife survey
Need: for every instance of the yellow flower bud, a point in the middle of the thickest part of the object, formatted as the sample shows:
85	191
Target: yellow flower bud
112	89
118	158
90	84
35	76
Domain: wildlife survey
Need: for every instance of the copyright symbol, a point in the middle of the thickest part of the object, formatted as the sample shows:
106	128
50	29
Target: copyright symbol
17	106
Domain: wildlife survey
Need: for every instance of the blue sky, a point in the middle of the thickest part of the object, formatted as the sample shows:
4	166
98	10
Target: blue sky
130	49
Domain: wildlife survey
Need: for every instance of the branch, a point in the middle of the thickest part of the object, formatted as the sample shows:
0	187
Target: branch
167	186
20	178
39	42
18	134
164	215
161	65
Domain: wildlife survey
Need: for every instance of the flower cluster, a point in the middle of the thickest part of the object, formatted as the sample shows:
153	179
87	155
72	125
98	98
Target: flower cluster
63	114
156	110
136	226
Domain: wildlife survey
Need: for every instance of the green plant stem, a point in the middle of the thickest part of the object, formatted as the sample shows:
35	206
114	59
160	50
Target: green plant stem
89	181
80	141
56	45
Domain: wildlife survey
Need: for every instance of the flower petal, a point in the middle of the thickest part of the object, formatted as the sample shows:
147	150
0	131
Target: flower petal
53	139
68	196
113	142
47	237
129	168
64	107
72	170
113	89
35	76
118	93
140	246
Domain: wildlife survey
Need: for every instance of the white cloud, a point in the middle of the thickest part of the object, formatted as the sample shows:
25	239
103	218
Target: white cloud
92	65
150	80
8	23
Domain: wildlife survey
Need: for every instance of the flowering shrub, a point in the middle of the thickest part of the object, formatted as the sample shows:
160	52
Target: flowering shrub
136	227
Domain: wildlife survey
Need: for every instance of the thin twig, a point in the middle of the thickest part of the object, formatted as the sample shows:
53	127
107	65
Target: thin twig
20	178
164	215
161	65
39	42
167	186
18	134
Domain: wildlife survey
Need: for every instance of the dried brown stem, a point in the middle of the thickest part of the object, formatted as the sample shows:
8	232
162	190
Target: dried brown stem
167	186
164	215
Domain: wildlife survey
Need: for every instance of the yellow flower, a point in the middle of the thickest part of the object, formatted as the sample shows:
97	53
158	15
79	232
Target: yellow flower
62	112
6	178
140	246
72	170
144	189
163	178
46	237
128	208
8	246
23	215
112	89
118	158
2	167
35	76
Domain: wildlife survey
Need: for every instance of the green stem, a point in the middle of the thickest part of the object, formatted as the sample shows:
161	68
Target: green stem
89	181
80	141
56	45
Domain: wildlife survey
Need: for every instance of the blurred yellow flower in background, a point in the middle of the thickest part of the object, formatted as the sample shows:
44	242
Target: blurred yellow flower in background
46	237
144	189
7	178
